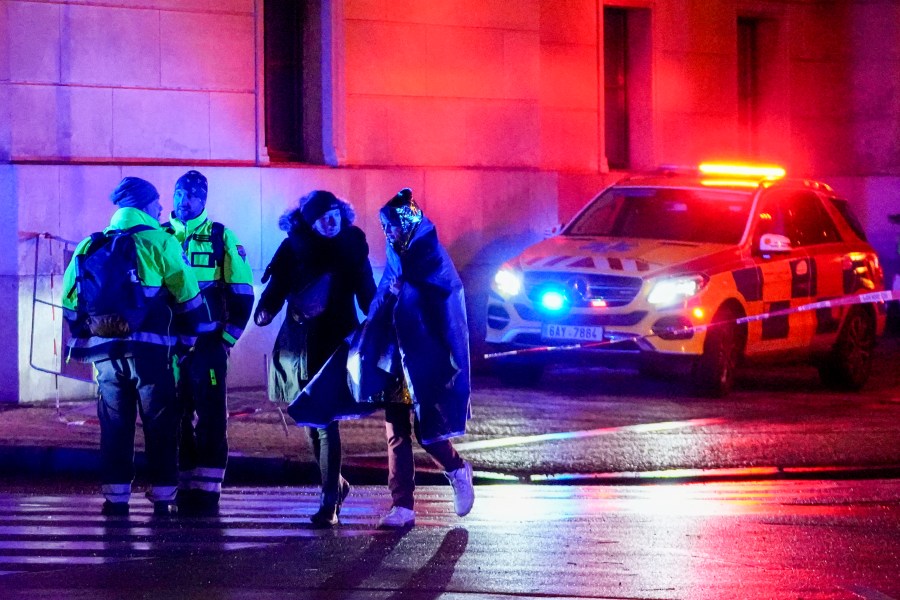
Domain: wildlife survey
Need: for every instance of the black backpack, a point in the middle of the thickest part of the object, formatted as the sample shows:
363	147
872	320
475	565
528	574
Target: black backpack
110	295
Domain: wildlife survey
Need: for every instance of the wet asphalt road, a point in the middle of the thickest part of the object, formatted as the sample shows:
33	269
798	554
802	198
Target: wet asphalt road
748	540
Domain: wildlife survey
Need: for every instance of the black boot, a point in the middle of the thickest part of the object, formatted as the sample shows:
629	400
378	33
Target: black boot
327	516
114	509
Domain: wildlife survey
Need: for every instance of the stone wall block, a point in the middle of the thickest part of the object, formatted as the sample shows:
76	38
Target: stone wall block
569	139
110	46
455	201
503	134
690	139
569	21
84	205
568	76
874	89
90	122
696	26
368	10
698	84
33	30
5	48
522	15
427	131
820	89
368	130
6	116
386	58
35	124
234	6
35	194
207	51
475	72
521	65
232	122
875	30
160	124
499	14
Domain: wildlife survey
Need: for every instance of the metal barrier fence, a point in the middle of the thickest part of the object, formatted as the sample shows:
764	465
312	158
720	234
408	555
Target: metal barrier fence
48	334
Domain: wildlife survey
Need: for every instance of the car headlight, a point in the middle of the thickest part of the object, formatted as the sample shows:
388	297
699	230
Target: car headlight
676	289
508	281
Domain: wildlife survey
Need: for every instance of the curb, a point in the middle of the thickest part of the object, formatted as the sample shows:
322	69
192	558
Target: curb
84	464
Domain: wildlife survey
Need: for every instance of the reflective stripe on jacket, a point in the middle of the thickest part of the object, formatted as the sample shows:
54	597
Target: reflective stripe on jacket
227	288
174	304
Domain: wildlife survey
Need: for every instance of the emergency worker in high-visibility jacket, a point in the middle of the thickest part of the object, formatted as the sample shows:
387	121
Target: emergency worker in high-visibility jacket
226	282
135	371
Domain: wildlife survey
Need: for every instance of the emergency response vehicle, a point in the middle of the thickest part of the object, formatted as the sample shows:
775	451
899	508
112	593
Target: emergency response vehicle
693	271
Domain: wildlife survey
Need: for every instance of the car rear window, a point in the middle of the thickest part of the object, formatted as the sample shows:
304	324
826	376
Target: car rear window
676	214
843	207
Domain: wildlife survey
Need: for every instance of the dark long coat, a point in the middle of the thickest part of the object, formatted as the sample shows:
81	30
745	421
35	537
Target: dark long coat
302	347
420	333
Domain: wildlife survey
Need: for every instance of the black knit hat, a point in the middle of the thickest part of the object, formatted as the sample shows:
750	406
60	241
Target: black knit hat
317	203
134	192
194	183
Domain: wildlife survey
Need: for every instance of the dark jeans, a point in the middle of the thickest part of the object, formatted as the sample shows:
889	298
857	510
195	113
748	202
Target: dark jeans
326	445
201	390
128	387
401	466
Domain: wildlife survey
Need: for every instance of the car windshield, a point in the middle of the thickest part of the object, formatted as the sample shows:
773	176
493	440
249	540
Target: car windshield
678	214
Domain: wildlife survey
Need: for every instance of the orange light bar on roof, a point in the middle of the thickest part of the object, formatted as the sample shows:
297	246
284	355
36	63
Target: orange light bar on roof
742	170
718	182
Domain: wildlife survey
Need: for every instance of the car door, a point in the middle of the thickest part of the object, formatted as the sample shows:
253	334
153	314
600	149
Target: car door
787	274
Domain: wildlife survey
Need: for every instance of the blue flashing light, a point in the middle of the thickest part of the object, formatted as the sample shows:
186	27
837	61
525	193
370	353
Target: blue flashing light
553	300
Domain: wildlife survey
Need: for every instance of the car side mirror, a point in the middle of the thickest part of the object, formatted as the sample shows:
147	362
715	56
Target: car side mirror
774	243
551	231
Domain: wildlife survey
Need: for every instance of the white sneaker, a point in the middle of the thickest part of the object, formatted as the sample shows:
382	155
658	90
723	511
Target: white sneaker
398	518
463	492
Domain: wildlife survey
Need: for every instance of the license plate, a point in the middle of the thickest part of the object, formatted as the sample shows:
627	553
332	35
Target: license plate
572	333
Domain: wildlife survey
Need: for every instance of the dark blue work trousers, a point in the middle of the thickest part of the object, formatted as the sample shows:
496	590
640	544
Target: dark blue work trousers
326	446
204	440
129	387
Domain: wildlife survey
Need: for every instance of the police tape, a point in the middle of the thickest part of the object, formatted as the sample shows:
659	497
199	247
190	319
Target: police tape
867	298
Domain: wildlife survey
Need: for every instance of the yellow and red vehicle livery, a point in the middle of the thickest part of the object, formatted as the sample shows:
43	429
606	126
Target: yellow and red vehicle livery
640	271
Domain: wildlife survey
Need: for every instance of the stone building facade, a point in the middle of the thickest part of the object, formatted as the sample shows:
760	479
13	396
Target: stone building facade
503	117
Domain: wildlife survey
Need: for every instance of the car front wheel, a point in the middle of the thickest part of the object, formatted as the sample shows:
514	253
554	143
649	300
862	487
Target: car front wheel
850	363
713	373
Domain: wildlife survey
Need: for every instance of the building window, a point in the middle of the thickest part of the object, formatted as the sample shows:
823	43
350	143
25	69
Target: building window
748	32
615	86
284	79
293	67
627	135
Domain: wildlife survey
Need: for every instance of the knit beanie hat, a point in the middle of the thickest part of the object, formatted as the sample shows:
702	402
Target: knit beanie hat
317	203
134	192
194	183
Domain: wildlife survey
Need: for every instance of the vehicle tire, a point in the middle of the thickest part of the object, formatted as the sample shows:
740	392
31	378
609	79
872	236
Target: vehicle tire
519	374
850	363
713	372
